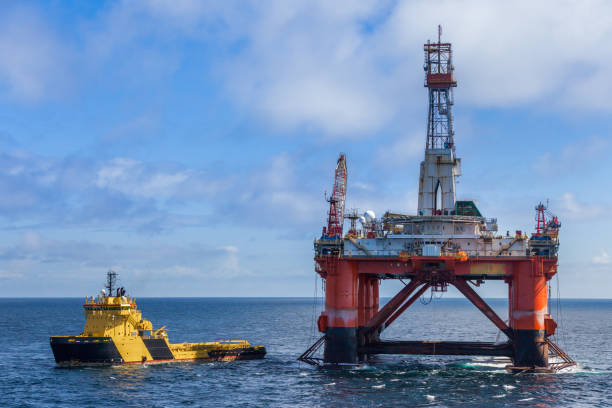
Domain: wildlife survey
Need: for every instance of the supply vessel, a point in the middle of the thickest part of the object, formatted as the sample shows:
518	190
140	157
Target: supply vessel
116	333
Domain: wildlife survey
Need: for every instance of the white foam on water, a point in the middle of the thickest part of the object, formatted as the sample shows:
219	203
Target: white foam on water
580	369
498	362
430	397
499	396
364	367
526	399
303	374
509	387
112	378
395	379
330	384
489	364
379	386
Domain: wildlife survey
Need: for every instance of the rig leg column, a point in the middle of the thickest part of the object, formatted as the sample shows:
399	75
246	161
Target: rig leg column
375	305
364	310
341	301
363	307
528	307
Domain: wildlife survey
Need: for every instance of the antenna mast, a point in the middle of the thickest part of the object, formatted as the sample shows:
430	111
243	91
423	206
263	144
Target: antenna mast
111	282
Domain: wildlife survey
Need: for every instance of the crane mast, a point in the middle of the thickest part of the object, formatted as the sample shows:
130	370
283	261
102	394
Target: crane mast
335	219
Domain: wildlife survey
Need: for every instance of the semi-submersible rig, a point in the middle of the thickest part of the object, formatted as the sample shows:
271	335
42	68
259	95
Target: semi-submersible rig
448	242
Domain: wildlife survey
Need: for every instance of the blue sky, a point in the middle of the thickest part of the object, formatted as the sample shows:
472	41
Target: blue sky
188	144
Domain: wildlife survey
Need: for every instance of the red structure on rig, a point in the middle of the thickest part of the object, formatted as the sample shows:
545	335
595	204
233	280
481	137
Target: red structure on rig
335	219
448	242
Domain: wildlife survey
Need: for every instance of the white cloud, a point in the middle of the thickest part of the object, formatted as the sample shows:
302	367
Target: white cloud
360	185
139	127
34	251
575	157
307	64
602	259
134	179
346	69
10	275
349	69
573	209
275	195
34	63
402	151
32	240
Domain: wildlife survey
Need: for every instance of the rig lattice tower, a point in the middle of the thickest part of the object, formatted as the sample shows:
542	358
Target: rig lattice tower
440	166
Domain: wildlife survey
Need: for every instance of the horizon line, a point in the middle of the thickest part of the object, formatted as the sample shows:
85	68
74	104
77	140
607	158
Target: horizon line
262	297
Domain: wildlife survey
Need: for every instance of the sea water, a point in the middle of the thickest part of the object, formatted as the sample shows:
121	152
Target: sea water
30	378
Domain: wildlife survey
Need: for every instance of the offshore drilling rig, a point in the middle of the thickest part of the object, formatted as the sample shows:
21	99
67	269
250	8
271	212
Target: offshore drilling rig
448	242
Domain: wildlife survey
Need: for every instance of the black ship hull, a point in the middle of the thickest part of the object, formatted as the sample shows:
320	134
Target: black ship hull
70	351
95	351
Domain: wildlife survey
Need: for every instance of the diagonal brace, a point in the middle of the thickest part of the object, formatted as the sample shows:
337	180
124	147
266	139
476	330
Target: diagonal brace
473	297
379	318
406	305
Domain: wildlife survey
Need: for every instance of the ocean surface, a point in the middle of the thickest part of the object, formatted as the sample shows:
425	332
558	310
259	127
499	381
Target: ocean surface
29	377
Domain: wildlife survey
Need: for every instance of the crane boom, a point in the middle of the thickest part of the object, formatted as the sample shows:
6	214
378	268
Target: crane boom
335	221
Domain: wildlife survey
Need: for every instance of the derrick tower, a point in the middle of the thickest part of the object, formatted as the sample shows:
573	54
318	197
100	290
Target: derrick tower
439	168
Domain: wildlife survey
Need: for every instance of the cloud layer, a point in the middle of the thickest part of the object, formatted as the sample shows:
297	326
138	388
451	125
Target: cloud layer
346	71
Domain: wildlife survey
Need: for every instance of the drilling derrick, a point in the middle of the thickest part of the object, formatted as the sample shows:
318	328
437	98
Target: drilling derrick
439	168
448	243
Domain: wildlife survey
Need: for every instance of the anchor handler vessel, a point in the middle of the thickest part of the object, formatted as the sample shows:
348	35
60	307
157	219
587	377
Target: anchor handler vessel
447	242
116	333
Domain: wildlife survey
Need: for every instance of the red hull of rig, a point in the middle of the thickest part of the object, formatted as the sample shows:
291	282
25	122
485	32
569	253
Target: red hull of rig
448	243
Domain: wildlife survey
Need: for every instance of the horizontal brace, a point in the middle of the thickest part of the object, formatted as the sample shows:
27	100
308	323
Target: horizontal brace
451	348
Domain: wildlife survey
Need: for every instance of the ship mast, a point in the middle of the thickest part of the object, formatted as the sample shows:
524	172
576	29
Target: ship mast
111	282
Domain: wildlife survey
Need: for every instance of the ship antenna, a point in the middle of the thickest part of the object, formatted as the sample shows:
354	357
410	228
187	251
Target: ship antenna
111	281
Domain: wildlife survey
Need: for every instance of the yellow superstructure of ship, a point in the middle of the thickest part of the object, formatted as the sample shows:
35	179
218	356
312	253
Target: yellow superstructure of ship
116	333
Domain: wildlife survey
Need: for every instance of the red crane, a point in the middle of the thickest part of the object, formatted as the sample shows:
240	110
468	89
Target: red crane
335	220
551	227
